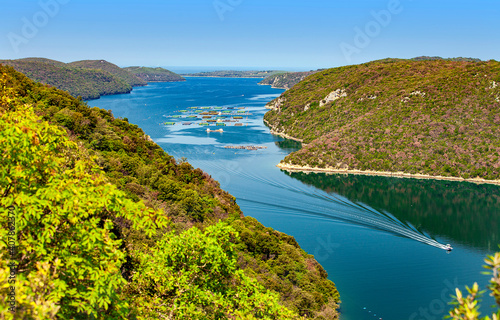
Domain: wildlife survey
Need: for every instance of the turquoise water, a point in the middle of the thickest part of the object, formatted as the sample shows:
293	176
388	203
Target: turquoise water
380	239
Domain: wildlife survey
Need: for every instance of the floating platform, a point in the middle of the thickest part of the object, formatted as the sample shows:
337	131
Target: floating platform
169	123
246	147
187	123
220	124
218	130
204	124
238	124
176	116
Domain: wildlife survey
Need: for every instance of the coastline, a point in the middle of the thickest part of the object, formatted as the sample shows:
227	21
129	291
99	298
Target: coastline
221	77
296	168
283	135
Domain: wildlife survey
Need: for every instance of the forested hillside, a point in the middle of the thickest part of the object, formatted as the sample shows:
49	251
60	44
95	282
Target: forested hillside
154	74
115	70
433	117
111	226
86	83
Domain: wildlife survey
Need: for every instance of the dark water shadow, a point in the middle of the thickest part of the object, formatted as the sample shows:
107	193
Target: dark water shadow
468	213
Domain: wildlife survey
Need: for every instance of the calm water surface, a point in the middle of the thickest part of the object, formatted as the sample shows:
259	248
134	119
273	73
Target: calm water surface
380	239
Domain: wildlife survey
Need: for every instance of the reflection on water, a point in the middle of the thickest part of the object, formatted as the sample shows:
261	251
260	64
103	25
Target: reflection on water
468	213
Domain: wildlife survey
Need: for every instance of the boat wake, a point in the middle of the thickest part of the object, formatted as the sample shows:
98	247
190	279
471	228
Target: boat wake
311	201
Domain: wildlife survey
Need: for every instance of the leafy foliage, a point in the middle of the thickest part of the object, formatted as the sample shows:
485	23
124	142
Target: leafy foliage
69	259
196	275
433	117
467	308
85	242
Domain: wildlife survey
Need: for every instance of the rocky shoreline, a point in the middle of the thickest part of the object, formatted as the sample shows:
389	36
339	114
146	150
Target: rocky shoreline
296	168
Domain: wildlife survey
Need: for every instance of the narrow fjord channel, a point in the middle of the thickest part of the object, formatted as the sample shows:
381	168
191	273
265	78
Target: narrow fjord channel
379	238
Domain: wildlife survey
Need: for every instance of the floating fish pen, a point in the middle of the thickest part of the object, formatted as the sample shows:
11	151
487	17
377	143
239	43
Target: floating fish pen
241	111
183	111
207	117
204	108
187	123
169	123
217	108
226	111
238	117
193	108
192	116
204	124
241	107
198	111
176	116
246	147
238	124
220	124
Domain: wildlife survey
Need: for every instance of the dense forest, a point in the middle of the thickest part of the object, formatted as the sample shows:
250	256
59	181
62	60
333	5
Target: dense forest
154	74
109	226
427	116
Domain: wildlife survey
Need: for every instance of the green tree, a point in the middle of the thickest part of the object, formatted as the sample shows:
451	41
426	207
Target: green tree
467	308
195	275
68	260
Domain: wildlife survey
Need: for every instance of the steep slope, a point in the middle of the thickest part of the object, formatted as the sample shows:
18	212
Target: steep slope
286	80
431	117
187	197
87	83
154	74
115	70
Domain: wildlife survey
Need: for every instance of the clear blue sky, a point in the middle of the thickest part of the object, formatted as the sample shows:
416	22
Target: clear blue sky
296	35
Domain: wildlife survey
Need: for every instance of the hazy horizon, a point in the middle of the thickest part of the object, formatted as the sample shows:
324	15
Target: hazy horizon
289	35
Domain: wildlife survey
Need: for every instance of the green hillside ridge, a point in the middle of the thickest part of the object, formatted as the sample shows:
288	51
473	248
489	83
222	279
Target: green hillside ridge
115	70
117	228
430	117
235	74
154	74
86	83
286	80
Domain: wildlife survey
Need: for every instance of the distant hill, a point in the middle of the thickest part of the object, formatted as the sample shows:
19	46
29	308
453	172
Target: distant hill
115	70
432	117
424	58
87	83
286	80
154	74
235	74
